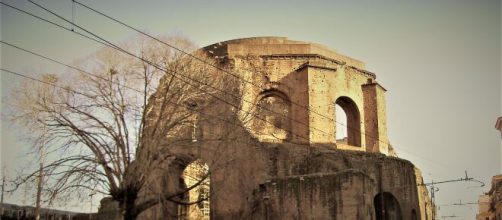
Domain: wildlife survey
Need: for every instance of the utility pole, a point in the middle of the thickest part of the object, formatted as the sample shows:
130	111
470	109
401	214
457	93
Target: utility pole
1	198
435	189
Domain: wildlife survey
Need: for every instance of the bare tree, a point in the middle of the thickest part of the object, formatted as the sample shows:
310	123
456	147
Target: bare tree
94	118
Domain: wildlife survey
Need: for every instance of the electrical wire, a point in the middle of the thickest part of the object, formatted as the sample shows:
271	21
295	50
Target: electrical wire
223	70
53	23
238	77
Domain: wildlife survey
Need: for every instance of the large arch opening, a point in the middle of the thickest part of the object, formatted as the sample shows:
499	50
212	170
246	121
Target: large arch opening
387	207
273	110
348	122
195	204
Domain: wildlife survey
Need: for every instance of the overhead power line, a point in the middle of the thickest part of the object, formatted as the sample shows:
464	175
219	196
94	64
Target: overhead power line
86	72
449	216
89	73
434	189
51	22
44	82
466	179
109	44
236	75
223	70
460	203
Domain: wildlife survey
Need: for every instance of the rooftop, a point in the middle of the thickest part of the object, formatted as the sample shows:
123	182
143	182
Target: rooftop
279	46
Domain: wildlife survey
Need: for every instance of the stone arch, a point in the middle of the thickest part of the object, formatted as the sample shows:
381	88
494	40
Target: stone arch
195	179
387	207
273	110
353	123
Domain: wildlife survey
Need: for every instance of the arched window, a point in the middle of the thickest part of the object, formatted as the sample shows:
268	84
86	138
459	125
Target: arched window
387	207
348	122
197	200
273	120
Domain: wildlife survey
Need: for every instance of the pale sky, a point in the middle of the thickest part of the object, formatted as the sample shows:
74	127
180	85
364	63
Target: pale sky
438	59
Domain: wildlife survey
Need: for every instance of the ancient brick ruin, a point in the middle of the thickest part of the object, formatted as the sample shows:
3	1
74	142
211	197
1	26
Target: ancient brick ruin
278	156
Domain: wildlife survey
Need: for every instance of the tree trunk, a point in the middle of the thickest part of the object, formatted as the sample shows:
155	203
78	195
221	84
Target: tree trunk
130	216
128	210
127	204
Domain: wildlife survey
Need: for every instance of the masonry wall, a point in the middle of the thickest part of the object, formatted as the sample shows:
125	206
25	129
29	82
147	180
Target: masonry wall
294	181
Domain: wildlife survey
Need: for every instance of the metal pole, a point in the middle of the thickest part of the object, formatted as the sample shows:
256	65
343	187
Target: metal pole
1	199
